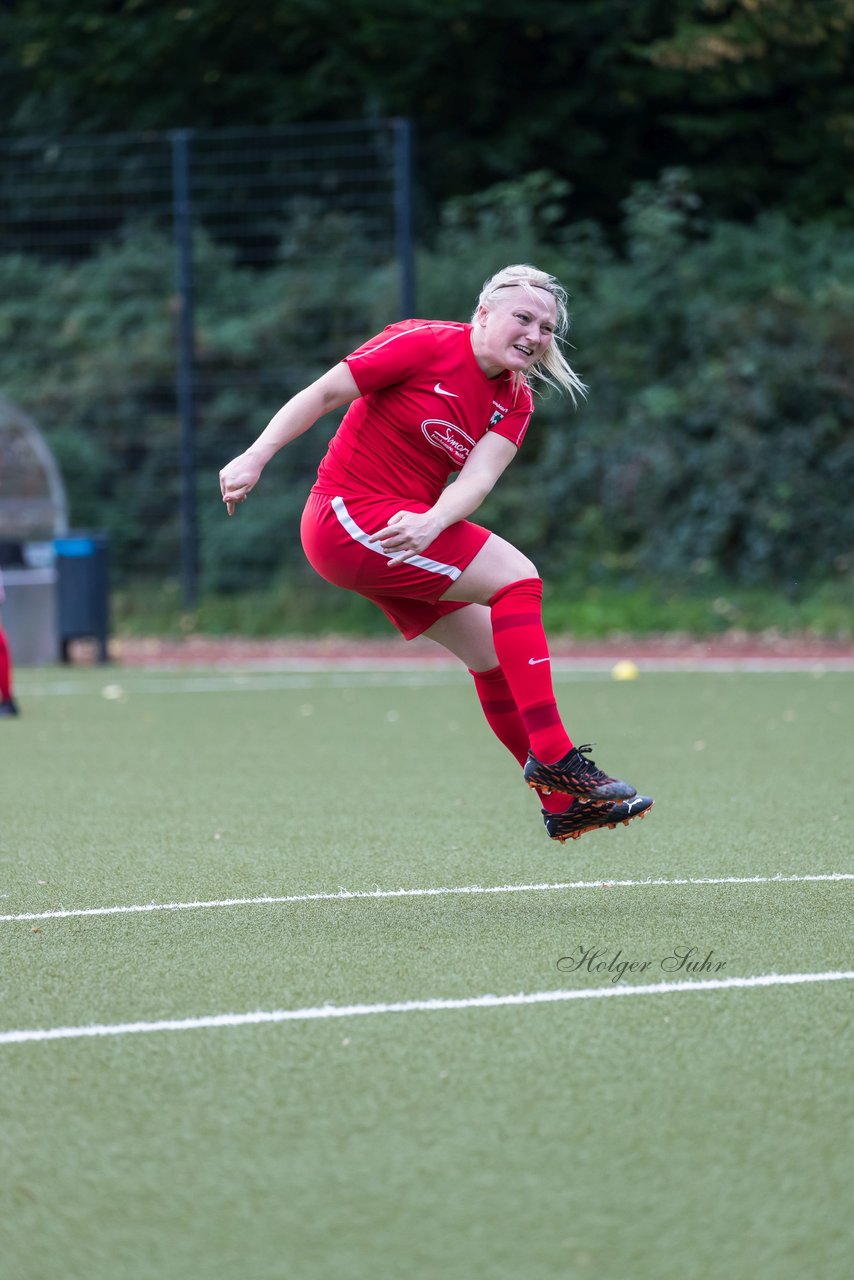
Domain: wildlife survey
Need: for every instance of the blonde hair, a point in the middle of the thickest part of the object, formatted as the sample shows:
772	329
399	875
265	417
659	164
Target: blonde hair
553	368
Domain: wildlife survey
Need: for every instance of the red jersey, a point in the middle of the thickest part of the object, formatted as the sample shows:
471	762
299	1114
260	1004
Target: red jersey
424	404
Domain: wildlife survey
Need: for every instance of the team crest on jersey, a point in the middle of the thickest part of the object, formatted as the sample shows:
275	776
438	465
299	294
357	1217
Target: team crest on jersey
447	436
499	413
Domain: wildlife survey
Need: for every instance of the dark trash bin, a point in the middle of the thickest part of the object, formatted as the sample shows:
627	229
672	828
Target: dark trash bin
82	591
11	553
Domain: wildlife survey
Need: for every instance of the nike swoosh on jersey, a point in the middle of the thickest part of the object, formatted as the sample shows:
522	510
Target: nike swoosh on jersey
532	662
440	391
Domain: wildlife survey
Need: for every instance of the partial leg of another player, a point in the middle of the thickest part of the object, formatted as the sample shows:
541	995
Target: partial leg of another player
8	706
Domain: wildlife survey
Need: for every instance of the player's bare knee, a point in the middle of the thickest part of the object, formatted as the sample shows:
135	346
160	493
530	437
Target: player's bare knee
524	568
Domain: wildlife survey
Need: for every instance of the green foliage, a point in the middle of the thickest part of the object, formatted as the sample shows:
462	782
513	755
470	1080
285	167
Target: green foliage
717	441
756	96
90	349
719	430
297	602
776	74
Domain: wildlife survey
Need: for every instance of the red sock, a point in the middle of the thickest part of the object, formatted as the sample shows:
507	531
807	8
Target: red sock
503	718
554	802
523	652
5	669
502	714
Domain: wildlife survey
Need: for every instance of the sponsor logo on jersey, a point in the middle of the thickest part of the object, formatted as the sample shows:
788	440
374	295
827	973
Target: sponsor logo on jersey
444	435
440	391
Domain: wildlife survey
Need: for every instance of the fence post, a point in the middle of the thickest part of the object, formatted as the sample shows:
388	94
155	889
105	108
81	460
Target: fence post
403	214
185	379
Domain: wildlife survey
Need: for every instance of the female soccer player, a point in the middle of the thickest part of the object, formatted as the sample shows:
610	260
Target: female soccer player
428	398
8	706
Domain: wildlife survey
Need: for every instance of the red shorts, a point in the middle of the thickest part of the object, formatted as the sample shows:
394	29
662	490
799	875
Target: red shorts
335	532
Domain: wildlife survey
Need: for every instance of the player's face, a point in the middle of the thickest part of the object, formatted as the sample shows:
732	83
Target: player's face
514	331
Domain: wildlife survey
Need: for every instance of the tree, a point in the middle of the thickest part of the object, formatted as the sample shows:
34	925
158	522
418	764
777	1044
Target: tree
741	79
752	93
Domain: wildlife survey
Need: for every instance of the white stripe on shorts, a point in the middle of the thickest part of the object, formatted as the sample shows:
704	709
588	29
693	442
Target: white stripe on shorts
359	535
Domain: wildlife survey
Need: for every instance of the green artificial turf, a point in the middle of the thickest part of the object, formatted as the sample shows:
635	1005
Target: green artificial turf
695	1134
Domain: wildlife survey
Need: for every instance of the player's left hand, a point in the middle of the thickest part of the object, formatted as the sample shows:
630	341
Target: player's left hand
407	534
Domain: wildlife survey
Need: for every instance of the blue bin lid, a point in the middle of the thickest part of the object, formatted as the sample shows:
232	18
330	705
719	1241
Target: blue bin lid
75	547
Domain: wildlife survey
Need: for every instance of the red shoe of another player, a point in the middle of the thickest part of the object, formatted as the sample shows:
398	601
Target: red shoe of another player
578	819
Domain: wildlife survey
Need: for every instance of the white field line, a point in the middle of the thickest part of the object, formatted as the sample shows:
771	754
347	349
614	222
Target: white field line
267	900
139	682
319	675
416	1006
560	662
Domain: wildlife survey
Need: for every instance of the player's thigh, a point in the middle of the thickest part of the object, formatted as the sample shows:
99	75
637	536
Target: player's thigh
467	634
496	565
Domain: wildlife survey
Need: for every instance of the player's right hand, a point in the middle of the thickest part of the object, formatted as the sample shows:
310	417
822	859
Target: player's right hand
237	480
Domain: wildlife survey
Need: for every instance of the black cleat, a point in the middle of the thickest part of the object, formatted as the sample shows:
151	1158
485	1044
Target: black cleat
576	775
581	818
9	707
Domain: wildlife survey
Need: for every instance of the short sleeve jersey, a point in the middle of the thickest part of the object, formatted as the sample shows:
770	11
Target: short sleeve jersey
424	404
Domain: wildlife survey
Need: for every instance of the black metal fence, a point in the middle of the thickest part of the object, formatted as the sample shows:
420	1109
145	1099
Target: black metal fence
297	199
